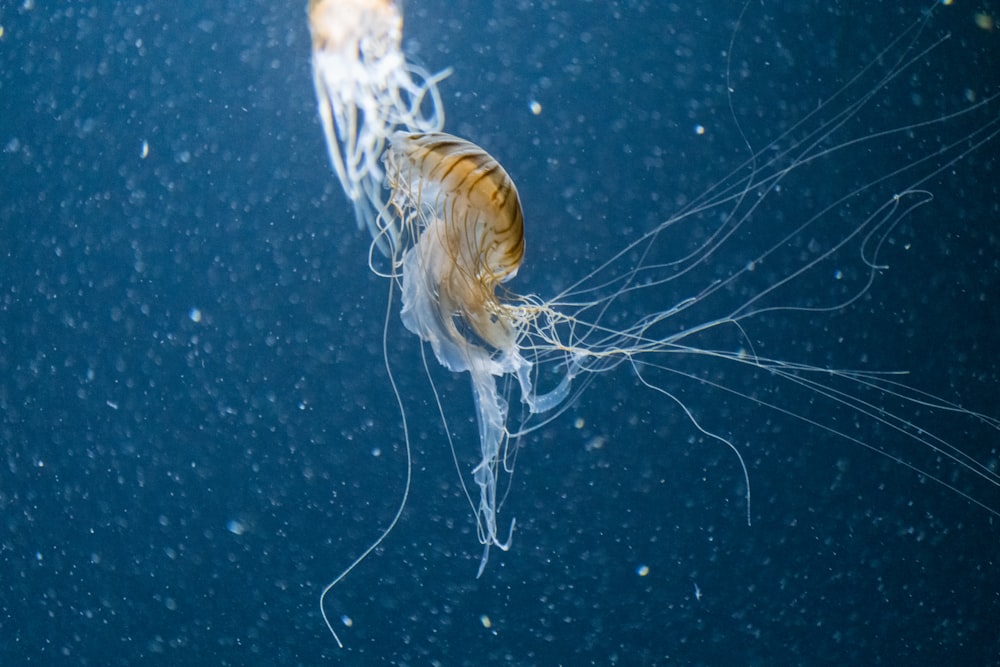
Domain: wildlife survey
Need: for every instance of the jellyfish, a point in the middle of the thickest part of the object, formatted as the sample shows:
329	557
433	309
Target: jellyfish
463	214
456	235
366	89
463	211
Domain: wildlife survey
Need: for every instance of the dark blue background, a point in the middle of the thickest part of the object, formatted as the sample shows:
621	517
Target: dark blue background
135	439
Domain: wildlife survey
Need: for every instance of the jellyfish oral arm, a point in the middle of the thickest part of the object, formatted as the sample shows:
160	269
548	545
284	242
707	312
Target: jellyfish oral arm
539	403
426	312
491	412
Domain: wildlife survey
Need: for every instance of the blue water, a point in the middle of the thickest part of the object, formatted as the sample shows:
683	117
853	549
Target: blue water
198	432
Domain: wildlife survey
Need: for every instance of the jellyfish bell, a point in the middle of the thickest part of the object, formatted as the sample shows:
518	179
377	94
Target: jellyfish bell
366	89
469	237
